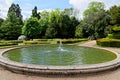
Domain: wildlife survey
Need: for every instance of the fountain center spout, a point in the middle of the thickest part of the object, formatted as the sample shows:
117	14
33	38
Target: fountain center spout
60	46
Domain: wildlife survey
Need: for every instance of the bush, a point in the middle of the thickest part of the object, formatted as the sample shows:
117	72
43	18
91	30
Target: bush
108	42
53	41
35	42
9	43
65	41
30	42
110	36
116	35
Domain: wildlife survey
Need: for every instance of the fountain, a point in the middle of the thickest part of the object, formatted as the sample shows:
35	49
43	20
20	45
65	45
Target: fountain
67	59
60	47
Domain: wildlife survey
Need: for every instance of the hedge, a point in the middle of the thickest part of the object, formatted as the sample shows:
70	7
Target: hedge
53	41
65	41
35	42
9	43
108	42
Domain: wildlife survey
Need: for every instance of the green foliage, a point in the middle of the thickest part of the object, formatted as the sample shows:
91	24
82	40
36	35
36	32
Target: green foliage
35	14
96	23
79	32
53	41
11	27
40	41
1	21
110	36
115	33
116	29
50	32
31	28
9	43
67	41
108	42
115	15
96	20
61	25
94	7
16	9
44	23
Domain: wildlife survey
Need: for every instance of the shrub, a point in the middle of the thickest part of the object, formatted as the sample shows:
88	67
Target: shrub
30	42
35	42
65	41
110	36
116	35
108	42
9	43
53	41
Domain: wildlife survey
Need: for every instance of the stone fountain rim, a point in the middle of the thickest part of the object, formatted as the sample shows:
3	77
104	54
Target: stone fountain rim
22	67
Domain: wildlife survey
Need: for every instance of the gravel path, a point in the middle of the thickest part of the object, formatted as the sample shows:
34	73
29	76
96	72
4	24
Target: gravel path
107	75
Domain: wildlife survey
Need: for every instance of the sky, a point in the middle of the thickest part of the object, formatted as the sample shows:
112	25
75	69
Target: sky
27	5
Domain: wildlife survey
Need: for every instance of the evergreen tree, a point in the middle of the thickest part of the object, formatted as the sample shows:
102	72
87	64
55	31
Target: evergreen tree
11	27
35	13
16	9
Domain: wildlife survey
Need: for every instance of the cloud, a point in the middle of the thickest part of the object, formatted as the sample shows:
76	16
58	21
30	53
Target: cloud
81	5
4	6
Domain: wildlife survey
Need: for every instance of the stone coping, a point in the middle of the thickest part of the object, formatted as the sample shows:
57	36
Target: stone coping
42	69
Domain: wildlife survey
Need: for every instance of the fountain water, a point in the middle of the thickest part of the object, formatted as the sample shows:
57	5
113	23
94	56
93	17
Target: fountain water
60	48
46	60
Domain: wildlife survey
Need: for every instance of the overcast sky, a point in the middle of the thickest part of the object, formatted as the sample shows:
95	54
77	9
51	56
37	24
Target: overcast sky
28	5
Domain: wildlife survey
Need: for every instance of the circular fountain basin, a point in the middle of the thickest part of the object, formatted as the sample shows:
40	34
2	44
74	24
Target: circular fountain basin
48	59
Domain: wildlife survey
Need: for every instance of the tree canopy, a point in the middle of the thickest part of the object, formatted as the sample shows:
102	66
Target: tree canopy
11	27
97	22
31	28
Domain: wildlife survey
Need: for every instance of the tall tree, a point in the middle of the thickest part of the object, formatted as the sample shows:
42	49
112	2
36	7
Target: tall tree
35	13
68	11
61	24
31	28
44	22
115	15
11	27
96	19
17	11
1	21
53	28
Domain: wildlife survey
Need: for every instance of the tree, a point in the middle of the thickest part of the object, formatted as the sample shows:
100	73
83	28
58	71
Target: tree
115	15
35	13
11	27
81	30
96	19
72	27
68	11
61	24
1	21
31	28
44	22
17	11
53	24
